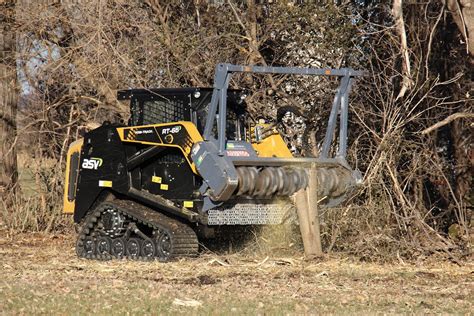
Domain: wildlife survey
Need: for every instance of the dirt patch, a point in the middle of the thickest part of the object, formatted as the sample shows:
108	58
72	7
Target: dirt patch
41	274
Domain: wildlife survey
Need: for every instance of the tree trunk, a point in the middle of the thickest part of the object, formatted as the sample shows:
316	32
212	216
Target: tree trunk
462	12
397	13
8	98
253	42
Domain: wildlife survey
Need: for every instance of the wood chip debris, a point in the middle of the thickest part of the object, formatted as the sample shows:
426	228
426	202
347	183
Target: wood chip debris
285	261
218	261
187	302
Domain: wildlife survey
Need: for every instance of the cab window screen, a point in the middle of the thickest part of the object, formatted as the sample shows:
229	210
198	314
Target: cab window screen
163	111
136	112
73	171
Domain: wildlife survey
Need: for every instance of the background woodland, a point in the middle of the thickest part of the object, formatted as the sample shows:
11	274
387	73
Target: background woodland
411	127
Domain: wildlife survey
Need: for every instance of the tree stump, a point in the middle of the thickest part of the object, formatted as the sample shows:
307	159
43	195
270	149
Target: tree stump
308	216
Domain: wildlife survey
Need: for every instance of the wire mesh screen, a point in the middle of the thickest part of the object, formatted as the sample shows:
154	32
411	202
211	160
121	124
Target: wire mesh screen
136	112
162	111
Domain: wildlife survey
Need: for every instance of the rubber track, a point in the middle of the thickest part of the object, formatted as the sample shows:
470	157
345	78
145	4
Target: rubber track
183	238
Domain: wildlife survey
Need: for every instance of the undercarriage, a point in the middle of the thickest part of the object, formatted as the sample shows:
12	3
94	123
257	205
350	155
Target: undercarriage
125	229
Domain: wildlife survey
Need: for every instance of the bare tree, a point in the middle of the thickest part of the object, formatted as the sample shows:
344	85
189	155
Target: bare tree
8	97
463	15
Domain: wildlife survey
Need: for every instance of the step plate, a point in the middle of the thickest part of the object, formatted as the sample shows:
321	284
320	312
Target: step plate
251	213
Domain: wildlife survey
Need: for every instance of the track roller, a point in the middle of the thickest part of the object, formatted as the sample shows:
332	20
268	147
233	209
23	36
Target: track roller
133	248
118	248
148	249
104	245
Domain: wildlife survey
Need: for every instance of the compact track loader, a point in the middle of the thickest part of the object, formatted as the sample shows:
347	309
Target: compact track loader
191	160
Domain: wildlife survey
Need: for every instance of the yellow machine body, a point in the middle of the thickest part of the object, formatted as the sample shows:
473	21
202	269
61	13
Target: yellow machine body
72	172
271	145
181	135
163	135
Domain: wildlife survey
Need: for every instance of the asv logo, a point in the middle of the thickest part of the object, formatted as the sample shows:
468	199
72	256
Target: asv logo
93	163
172	130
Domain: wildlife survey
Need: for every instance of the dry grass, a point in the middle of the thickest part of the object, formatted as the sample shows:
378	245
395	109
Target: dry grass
37	206
41	275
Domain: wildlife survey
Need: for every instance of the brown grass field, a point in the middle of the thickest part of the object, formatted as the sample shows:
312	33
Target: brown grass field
40	274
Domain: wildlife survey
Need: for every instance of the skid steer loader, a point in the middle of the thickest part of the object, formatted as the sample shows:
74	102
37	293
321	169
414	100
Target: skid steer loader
191	160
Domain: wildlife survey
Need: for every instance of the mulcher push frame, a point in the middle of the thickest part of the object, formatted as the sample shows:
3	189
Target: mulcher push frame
222	77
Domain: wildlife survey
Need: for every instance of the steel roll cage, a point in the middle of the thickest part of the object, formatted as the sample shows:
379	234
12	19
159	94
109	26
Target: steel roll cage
223	74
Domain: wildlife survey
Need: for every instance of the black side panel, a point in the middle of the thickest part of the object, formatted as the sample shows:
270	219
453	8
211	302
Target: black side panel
102	167
176	181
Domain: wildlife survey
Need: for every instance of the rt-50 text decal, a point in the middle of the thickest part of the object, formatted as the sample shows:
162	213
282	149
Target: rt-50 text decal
172	130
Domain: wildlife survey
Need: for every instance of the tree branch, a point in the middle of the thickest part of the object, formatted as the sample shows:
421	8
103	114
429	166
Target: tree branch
446	121
397	12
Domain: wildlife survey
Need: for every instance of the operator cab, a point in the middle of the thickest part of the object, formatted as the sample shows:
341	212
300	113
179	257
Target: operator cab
171	105
157	106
